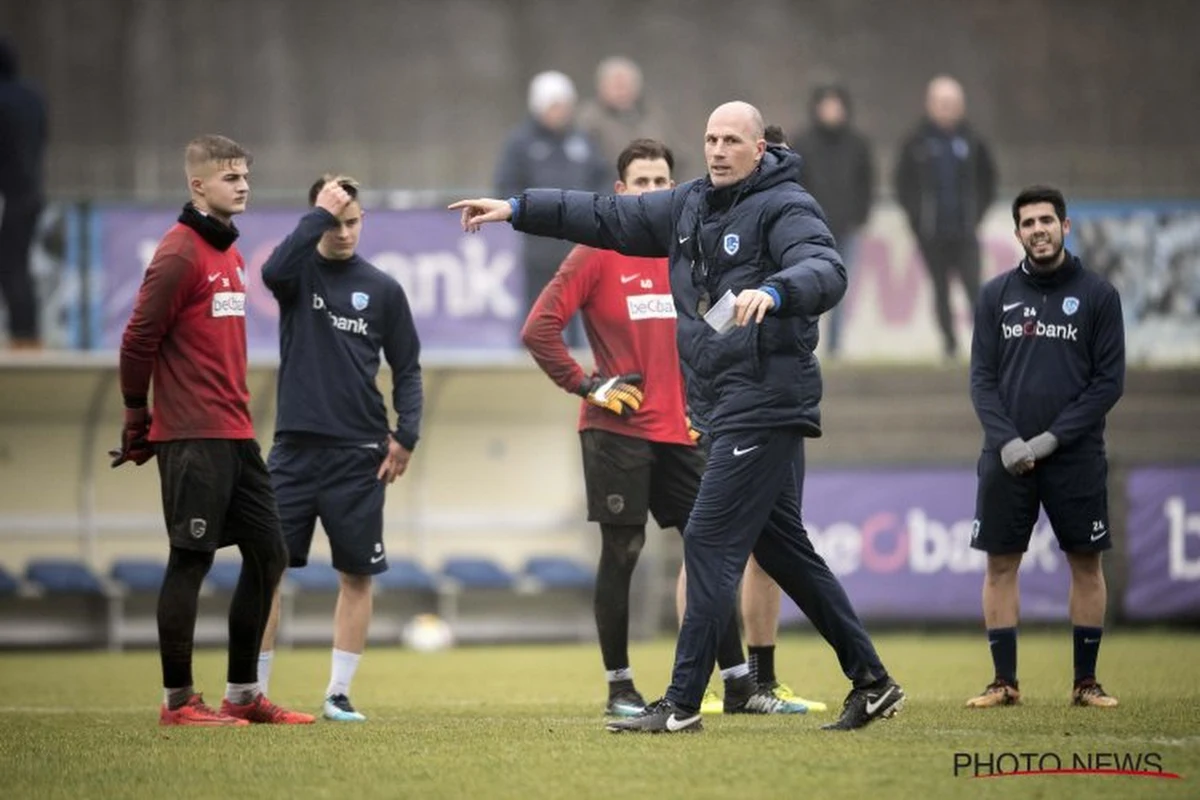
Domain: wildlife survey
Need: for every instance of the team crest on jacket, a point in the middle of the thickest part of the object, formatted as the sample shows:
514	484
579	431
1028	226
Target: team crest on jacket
359	300
731	243
1070	305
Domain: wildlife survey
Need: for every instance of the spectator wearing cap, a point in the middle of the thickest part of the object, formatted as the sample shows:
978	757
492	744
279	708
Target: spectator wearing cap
549	151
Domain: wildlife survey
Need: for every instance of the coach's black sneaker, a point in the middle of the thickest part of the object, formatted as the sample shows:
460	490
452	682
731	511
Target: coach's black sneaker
661	716
864	706
625	702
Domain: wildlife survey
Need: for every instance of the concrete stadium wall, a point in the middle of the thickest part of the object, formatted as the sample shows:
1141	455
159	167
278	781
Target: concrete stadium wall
498	468
1090	94
497	474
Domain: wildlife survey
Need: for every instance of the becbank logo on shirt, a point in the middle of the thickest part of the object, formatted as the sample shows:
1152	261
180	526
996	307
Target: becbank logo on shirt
651	306
1035	327
356	325
229	304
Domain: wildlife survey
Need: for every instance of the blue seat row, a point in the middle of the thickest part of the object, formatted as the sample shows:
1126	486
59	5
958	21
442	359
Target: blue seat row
68	576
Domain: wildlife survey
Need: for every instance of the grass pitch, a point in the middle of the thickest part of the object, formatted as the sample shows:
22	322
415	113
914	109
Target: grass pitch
524	722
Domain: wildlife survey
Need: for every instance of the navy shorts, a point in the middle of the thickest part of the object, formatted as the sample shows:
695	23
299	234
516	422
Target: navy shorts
215	492
628	479
339	486
1072	487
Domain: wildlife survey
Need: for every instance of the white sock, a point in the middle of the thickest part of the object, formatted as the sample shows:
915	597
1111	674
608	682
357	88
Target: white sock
264	669
622	674
241	693
343	667
736	672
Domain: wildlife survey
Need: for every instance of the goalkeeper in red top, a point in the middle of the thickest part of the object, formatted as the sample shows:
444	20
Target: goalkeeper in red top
188	333
639	454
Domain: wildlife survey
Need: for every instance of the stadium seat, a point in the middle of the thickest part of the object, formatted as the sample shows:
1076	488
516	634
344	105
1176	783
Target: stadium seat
317	576
139	575
477	573
405	575
556	572
8	584
224	575
62	576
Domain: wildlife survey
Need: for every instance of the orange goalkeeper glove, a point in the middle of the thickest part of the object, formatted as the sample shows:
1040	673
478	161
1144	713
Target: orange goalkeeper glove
618	394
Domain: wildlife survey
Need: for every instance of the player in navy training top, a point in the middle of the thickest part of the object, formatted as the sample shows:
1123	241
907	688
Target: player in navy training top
1047	365
334	454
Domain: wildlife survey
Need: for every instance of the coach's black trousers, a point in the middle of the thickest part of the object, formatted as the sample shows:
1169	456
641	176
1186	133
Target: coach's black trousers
749	502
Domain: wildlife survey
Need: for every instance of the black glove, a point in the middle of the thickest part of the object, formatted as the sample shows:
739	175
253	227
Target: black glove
135	438
619	394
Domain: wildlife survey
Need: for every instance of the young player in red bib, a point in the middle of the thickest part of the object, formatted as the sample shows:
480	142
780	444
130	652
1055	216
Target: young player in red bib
188	333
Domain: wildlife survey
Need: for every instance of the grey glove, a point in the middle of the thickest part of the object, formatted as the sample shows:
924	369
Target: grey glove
1017	456
1043	445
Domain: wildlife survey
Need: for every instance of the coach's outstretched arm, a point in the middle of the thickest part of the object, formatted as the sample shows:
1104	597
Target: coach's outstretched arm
639	225
281	272
813	279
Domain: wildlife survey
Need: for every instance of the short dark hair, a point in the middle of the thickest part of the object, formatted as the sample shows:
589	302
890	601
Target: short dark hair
345	181
215	149
1039	194
773	134
648	149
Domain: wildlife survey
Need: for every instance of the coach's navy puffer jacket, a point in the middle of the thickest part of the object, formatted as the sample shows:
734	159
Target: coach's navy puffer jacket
765	230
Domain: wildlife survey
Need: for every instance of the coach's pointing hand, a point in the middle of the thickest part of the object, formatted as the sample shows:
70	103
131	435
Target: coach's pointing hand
475	213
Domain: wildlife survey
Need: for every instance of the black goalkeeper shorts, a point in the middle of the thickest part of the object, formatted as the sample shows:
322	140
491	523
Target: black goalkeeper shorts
215	492
629	478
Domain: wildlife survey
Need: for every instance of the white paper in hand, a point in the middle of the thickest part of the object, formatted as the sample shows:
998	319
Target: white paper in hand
720	316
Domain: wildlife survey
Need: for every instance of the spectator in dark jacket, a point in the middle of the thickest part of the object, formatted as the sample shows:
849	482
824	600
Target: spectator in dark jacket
620	112
548	150
22	143
945	181
839	173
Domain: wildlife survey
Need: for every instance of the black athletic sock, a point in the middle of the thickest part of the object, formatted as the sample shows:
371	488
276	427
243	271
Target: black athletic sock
1087	649
1003	642
263	561
742	686
620	547
762	664
178	600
